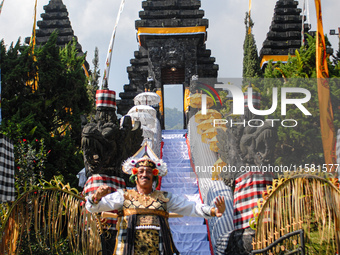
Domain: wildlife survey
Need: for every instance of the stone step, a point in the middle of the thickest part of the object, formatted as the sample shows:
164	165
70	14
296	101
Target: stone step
193	247
179	185
187	191
189	233
175	179
190	224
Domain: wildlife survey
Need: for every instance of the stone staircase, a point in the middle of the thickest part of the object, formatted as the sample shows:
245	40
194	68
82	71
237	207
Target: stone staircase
189	233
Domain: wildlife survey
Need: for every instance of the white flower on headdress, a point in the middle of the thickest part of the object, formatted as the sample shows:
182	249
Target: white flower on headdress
145	153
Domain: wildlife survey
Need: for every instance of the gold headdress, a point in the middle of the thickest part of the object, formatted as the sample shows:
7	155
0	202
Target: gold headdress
145	157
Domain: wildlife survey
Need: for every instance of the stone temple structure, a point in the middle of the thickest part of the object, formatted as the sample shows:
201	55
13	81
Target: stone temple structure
284	36
285	33
171	36
56	18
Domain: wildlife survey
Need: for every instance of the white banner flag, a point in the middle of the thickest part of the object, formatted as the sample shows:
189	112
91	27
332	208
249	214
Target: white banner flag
109	54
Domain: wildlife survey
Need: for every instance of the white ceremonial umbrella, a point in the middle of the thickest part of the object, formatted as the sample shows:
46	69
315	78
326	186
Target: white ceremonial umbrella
148	133
146	119
147	98
145	109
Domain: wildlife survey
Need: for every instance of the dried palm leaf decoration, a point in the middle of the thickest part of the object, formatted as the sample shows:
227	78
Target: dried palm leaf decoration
53	212
300	201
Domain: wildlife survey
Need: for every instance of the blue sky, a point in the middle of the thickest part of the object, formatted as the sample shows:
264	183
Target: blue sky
93	22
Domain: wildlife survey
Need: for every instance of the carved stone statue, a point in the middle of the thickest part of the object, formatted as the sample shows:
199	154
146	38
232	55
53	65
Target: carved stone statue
246	146
106	145
243	146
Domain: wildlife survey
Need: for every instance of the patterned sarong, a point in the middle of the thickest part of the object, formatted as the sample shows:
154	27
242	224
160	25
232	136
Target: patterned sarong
7	190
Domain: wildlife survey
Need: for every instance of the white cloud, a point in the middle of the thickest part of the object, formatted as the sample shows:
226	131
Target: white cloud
93	22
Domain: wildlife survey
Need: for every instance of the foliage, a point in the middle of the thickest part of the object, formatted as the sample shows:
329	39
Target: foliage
227	103
336	61
30	159
301	144
251	62
51	112
173	118
32	246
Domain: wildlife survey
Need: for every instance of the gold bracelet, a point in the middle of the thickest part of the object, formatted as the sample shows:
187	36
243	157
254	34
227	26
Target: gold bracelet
212	212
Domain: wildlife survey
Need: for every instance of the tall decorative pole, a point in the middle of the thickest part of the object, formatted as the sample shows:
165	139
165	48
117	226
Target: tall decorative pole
305	13
303	24
33	77
249	29
325	104
2	4
0	86
109	54
105	98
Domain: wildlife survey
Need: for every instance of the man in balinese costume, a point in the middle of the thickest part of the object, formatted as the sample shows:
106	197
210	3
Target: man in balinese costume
144	211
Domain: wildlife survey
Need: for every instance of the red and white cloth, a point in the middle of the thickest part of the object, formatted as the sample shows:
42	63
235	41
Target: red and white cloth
248	190
106	98
114	183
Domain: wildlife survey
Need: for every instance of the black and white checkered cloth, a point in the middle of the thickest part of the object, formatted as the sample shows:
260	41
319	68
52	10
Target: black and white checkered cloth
7	190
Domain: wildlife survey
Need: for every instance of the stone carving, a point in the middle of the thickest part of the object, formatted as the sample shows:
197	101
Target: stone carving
245	146
106	145
240	146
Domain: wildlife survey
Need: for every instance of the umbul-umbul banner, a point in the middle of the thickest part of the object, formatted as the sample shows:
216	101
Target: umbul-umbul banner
2	3
325	104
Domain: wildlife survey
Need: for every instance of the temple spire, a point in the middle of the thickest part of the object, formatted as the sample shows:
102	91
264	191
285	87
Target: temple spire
284	36
55	18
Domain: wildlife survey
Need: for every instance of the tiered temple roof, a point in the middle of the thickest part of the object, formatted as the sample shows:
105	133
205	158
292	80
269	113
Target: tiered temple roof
284	36
55	18
171	34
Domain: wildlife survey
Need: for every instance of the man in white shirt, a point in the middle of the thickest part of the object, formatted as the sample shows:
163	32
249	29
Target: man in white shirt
143	211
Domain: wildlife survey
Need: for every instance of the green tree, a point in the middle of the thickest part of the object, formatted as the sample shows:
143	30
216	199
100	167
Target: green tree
173	118
336	60
251	62
52	111
301	144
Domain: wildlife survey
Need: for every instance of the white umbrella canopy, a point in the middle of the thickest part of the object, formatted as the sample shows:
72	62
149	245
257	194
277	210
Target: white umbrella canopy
147	98
146	119
148	132
143	108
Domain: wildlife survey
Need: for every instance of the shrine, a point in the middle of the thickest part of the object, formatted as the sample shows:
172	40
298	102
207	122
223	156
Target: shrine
171	37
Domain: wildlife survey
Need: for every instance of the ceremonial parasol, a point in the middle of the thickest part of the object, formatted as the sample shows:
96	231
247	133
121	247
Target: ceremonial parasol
218	166
210	133
147	98
196	101
213	144
146	119
199	117
207	124
148	132
143	108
